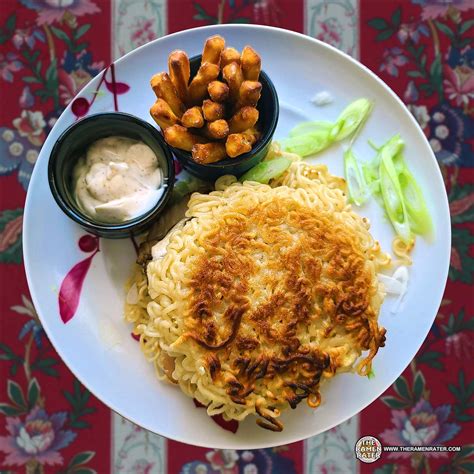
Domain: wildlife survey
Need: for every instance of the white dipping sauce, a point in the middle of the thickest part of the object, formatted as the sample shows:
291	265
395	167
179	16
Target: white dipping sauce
117	180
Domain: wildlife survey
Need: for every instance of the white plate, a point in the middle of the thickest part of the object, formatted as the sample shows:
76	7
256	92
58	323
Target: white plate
118	374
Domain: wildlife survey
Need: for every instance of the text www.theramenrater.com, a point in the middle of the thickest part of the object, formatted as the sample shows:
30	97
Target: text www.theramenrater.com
421	449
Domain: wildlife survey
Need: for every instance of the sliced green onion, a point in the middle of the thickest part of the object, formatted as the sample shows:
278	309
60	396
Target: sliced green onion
373	145
418	214
307	144
393	147
351	117
309	127
392	195
389	180
371	169
267	170
335	130
371	374
387	176
358	191
309	138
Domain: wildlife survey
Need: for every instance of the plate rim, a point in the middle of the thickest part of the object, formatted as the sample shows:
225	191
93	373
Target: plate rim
26	232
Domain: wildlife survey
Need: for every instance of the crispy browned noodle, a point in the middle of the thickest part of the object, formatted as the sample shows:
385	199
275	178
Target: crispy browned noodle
264	292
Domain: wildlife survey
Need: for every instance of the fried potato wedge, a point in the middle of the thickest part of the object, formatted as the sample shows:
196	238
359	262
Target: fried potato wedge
208	152
164	89
243	119
180	137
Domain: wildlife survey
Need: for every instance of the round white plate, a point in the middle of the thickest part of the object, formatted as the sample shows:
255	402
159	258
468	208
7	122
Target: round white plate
96	343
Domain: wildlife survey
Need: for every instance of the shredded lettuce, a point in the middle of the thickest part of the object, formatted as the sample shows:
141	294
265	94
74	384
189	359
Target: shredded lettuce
309	138
267	170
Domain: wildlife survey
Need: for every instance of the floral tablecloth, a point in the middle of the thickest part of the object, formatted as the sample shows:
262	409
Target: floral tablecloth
50	48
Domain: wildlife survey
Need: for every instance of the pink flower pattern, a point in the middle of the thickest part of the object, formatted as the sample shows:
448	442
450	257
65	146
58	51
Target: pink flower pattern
459	84
460	345
51	11
330	32
423	426
411	31
71	84
142	32
392	60
39	437
27	36
433	9
142	466
31	125
9	64
224	460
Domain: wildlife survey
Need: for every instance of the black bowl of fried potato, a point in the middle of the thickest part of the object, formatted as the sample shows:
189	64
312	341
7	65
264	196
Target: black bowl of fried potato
217	111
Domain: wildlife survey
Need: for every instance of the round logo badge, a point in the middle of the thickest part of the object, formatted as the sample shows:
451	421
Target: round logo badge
368	449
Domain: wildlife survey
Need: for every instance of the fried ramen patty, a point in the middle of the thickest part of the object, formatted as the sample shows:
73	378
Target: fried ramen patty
261	295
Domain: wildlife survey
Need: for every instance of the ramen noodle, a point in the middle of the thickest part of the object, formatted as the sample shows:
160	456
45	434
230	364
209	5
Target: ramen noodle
261	293
402	250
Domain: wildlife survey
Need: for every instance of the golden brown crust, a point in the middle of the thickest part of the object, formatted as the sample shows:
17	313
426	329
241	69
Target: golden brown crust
263	293
267	274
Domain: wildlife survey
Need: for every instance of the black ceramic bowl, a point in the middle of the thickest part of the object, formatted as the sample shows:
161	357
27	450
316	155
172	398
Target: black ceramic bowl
73	143
268	108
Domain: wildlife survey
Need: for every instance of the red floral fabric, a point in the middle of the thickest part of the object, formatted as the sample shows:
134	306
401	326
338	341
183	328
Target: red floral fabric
423	50
47	54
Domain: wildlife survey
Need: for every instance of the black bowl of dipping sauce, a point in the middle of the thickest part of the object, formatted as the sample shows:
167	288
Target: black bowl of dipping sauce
73	144
268	108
